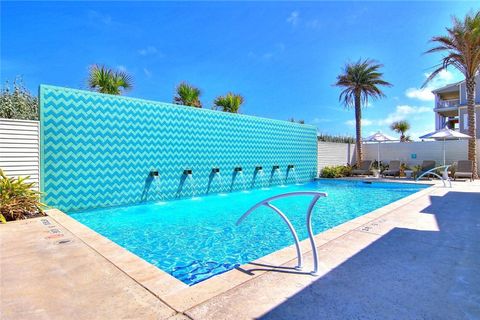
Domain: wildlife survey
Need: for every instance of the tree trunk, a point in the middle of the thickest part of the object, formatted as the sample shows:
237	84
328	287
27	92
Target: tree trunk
472	128
358	125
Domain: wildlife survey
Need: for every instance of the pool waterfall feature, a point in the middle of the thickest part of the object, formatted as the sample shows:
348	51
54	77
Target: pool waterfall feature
85	134
238	181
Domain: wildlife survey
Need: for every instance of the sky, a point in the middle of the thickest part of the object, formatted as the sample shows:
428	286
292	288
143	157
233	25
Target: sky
283	57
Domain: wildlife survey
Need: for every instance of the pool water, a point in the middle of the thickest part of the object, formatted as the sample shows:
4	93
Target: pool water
195	239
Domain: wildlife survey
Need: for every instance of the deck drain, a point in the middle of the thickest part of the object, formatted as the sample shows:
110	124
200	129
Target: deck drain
64	241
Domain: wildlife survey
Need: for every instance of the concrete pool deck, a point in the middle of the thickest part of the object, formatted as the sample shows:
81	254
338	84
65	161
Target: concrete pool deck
416	258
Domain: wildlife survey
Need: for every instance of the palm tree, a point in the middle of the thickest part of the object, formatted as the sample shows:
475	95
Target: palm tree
360	81
230	102
105	80
401	127
188	95
461	49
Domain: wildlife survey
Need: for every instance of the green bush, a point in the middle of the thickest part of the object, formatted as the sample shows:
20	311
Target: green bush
383	166
16	102
336	172
18	199
335	138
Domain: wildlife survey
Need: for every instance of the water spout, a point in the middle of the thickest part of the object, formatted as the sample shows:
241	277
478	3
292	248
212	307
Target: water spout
291	170
258	173
216	173
238	175
189	177
241	177
157	185
276	170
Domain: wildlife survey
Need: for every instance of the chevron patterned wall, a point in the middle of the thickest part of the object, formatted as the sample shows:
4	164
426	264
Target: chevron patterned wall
98	150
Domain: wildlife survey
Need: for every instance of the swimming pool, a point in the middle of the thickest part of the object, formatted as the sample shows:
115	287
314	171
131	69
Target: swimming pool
195	239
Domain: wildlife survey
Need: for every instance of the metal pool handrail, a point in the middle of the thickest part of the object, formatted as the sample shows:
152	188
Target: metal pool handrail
316	195
432	171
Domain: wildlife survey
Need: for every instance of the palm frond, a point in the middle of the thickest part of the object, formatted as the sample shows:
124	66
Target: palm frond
105	80
361	78
230	102
460	47
188	95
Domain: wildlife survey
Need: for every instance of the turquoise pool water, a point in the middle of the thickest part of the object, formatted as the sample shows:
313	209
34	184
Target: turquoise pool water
195	239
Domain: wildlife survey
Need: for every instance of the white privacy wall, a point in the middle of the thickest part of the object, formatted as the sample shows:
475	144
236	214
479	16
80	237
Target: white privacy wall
424	150
19	148
332	154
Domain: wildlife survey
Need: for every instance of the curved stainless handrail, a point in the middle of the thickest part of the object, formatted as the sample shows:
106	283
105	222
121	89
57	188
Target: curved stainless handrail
431	171
316	195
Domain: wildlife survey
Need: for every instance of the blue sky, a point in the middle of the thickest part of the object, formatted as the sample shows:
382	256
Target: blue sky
283	57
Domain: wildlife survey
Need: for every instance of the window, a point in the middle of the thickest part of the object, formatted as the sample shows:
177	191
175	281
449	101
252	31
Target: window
465	121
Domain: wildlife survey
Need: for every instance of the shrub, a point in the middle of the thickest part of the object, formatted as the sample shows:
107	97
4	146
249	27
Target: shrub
383	166
335	138
16	102
18	199
336	172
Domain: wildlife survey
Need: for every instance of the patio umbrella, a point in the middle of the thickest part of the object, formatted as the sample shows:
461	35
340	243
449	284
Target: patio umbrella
379	137
445	134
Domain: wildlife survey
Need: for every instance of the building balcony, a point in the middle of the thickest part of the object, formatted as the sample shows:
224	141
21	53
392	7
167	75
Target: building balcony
443	104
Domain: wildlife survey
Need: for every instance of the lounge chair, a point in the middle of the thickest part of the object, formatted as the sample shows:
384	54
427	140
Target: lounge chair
393	169
463	169
365	168
426	165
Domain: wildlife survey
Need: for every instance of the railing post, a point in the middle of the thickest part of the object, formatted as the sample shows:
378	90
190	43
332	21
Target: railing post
432	172
316	195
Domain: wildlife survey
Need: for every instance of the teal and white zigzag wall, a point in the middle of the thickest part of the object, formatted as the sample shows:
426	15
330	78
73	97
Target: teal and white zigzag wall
98	150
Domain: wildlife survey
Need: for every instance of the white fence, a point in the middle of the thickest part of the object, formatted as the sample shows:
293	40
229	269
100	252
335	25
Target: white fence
413	153
332	153
19	148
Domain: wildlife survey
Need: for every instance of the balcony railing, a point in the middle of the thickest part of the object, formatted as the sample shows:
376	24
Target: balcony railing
448	103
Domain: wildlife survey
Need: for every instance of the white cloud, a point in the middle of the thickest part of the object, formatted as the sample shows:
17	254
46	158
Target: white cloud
150	50
268	55
365	122
402	112
96	16
320	120
425	94
406	112
420	118
147	72
293	18
122	68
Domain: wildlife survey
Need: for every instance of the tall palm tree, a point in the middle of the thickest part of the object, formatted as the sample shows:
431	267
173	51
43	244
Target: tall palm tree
230	102
461	49
105	80
401	127
188	95
360	82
